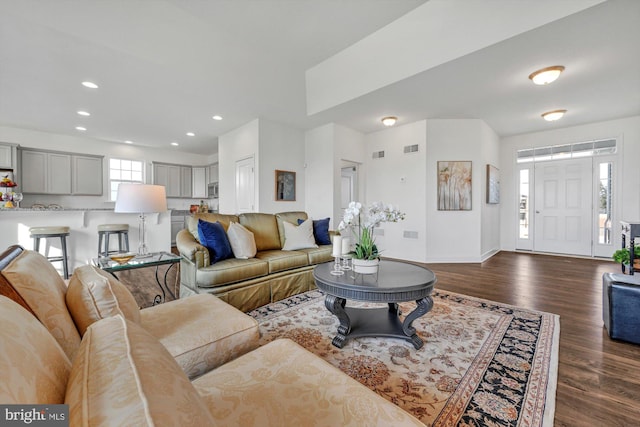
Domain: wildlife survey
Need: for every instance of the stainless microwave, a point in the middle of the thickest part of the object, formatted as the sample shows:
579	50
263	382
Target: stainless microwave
212	190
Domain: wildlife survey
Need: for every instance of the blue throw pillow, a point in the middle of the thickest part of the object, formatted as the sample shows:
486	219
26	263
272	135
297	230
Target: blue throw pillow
214	238
320	231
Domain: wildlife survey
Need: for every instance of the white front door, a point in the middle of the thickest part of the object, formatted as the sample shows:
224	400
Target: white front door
245	185
563	206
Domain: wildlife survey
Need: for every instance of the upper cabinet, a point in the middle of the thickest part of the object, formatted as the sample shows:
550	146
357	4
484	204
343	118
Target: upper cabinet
176	179
7	156
199	184
213	173
87	175
49	172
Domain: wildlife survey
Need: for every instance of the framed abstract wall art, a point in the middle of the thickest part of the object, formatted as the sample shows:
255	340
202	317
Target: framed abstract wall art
454	185
285	186
493	185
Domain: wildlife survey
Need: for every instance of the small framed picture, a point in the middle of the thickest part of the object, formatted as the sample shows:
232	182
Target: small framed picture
285	186
493	185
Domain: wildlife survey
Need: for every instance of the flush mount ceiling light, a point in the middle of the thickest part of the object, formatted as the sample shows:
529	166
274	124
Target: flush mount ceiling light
216	117
546	75
554	115
80	128
90	85
191	134
128	142
175	144
389	120
84	113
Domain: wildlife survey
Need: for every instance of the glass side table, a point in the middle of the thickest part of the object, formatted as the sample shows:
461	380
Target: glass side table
155	259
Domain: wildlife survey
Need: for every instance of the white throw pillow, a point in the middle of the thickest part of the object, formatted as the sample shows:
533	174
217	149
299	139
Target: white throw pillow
243	242
298	237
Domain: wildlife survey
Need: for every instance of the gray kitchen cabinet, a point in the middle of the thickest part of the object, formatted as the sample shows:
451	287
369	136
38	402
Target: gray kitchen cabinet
52	172
7	156
175	178
45	172
199	182
185	181
177	224
213	173
87	175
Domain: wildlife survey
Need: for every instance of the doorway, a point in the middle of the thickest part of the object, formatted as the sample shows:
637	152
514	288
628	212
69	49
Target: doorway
348	185
245	185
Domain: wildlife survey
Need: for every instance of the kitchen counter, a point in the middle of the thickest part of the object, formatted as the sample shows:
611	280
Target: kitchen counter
82	243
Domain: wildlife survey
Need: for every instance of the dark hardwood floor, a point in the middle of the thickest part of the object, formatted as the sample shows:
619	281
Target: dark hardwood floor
598	378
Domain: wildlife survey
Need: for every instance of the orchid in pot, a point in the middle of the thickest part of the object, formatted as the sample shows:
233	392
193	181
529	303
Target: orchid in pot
361	221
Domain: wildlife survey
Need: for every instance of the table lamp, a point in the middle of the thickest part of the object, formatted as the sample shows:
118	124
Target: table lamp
141	199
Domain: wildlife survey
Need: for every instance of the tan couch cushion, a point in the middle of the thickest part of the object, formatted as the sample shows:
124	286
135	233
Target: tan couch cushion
282	384
201	332
33	366
230	271
35	279
192	221
318	255
123	376
94	294
283	260
264	228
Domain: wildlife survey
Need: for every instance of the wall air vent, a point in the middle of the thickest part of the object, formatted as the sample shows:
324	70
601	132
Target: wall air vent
410	234
378	154
411	148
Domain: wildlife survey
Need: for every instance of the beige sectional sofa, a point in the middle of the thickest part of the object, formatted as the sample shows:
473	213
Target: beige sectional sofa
272	275
119	373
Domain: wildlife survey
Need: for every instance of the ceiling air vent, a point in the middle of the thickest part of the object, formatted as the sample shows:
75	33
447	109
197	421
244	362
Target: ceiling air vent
378	154
411	148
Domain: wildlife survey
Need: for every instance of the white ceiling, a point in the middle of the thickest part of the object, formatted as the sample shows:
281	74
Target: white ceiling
165	67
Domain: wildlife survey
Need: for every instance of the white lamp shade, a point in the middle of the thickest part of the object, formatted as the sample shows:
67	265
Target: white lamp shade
141	198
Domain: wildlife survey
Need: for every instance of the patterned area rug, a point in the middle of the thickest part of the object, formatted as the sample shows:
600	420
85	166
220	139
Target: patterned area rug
482	364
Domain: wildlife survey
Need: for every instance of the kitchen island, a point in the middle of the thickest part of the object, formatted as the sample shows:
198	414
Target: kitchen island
82	243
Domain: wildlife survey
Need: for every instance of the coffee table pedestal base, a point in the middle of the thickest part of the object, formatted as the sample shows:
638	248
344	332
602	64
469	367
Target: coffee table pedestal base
376	322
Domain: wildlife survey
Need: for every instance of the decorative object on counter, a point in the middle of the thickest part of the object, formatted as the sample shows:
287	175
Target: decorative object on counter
142	199
361	222
7	180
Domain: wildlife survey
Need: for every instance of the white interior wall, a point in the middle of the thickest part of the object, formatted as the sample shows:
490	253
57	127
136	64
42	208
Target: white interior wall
349	146
455	236
626	193
398	179
84	145
236	145
319	173
490	223
281	148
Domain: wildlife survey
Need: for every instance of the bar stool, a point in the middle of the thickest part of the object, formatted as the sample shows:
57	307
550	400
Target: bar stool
62	232
106	230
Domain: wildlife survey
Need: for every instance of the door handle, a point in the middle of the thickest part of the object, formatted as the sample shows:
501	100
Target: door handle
537	211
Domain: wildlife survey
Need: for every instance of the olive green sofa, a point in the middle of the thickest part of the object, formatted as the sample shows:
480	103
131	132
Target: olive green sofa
272	275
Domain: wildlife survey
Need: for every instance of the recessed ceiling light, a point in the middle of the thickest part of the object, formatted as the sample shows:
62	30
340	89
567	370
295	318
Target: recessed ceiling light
389	120
80	128
175	144
90	85
191	134
216	117
128	142
546	75
84	113
554	115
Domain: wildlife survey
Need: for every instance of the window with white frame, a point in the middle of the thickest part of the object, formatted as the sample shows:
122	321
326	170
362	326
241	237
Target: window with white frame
128	171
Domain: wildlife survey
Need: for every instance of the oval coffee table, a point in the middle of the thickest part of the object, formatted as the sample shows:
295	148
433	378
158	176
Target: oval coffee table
395	282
